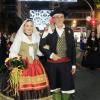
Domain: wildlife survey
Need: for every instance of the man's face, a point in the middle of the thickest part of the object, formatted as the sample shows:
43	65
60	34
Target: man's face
59	19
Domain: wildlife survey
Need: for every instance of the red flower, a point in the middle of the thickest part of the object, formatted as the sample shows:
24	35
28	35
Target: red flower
52	20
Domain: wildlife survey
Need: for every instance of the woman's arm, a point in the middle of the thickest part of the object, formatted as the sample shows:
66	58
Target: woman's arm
15	47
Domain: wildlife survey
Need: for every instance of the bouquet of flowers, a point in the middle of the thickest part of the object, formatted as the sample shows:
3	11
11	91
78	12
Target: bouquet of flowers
15	62
15	65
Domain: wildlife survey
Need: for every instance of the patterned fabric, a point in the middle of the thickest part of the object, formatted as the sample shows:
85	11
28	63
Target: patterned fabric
61	46
24	51
34	76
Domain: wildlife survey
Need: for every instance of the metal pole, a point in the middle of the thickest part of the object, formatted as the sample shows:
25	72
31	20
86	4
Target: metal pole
92	11
89	5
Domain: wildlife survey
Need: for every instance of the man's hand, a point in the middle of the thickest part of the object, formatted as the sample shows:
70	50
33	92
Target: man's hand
55	57
73	71
46	47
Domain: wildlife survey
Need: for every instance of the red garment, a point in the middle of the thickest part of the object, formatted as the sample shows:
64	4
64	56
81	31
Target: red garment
33	77
66	59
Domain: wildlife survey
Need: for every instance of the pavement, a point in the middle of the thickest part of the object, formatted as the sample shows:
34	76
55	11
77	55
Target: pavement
87	84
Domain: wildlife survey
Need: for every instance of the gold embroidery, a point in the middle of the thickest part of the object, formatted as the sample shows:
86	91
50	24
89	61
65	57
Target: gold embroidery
34	80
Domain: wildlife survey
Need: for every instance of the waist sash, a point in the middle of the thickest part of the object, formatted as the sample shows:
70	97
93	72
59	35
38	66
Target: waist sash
66	59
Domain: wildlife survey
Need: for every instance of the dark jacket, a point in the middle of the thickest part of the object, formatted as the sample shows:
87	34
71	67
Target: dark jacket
92	46
51	40
3	50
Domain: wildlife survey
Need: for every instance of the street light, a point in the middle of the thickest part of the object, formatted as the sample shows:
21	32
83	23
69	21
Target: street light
92	11
93	22
92	19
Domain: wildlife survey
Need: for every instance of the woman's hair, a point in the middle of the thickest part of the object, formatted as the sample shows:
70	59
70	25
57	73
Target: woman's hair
28	20
94	30
95	34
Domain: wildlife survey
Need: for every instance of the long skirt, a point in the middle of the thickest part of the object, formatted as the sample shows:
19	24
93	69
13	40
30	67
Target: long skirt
33	83
91	60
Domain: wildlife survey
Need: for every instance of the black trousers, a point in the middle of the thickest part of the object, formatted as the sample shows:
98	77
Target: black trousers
60	76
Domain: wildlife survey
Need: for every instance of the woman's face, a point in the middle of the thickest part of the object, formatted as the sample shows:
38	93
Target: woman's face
28	28
93	34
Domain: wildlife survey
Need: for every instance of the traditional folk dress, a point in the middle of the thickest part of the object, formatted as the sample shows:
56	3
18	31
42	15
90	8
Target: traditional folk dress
33	82
59	72
33	77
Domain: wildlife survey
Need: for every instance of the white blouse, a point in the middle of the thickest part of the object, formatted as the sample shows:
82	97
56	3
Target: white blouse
15	47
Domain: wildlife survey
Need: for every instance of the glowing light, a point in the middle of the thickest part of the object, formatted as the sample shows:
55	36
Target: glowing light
40	17
93	22
88	18
52	0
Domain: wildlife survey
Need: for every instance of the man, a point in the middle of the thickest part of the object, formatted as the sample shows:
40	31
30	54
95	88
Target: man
59	48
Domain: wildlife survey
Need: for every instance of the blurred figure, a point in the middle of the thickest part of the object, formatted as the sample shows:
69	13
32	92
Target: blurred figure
12	37
3	49
76	38
91	56
83	41
3	55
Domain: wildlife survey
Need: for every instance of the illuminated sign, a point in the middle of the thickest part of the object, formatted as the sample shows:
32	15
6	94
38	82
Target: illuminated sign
40	17
52	0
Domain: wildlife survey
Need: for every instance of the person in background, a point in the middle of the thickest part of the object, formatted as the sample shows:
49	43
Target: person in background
92	55
59	48
12	37
33	82
76	38
3	56
3	48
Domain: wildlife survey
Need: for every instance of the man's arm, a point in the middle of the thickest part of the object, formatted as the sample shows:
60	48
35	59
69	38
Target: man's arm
44	46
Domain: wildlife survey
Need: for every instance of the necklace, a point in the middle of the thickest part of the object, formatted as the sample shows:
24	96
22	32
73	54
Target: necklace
27	34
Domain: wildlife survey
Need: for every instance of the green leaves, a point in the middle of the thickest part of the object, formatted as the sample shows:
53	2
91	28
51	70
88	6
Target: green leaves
16	62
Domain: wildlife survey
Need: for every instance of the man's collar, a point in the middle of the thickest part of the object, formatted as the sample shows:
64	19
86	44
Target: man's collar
62	27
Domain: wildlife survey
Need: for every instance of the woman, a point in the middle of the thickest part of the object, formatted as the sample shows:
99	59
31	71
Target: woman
33	83
92	55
